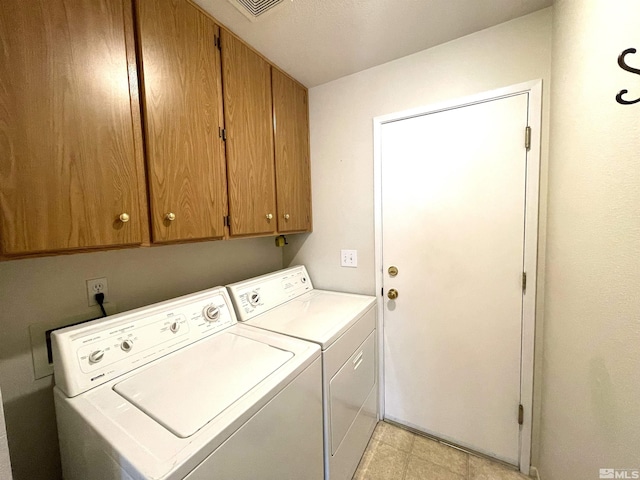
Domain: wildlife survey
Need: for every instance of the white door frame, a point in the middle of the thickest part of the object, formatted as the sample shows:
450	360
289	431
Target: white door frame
534	89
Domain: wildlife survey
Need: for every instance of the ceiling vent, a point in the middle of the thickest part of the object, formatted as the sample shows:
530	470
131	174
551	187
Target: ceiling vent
256	9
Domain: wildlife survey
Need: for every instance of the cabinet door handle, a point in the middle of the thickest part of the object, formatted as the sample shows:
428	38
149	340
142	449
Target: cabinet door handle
269	216
170	216
124	217
286	216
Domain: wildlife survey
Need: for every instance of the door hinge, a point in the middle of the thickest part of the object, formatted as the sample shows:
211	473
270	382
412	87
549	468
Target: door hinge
520	414
216	41
222	132
524	281
527	138
227	221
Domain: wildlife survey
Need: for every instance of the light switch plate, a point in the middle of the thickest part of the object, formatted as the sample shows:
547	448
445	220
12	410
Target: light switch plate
349	258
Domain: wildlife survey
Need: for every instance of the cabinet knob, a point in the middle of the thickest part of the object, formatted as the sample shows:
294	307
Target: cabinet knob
269	216
124	217
170	216
287	216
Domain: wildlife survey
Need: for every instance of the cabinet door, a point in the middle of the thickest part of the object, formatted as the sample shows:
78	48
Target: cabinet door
182	99
68	144
291	134
248	118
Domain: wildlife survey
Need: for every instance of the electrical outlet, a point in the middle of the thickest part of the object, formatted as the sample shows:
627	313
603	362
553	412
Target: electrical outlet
97	285
349	258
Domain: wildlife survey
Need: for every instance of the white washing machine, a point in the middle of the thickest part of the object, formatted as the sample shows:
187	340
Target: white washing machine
344	325
178	390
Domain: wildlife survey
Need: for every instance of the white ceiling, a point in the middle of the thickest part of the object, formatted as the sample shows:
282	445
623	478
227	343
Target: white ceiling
317	41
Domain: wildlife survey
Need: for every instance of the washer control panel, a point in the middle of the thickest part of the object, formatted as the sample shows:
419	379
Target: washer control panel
258	295
90	354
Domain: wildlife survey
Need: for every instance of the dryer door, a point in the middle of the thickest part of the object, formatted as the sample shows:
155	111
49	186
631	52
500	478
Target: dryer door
185	391
349	388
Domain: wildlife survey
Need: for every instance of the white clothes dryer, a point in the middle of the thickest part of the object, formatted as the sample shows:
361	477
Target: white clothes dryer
344	325
177	390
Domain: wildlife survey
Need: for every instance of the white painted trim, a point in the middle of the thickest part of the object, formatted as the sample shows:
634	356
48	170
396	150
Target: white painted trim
534	472
531	267
377	194
534	90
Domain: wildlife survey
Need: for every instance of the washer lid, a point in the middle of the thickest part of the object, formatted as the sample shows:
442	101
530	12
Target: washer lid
189	389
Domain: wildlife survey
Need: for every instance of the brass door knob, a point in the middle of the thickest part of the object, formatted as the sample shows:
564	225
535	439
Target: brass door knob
124	217
392	294
170	216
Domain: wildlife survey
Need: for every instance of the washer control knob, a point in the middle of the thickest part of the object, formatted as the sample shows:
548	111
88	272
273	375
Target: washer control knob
211	313
174	327
254	298
95	357
126	345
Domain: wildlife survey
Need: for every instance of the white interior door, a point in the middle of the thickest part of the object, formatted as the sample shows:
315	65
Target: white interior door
453	223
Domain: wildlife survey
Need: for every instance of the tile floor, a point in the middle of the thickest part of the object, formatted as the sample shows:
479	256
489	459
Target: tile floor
397	454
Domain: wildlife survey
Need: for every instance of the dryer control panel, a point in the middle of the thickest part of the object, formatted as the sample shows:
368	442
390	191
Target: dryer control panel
93	353
258	295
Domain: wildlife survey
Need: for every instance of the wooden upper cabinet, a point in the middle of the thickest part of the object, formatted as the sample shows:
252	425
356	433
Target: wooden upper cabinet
70	147
248	119
182	98
291	134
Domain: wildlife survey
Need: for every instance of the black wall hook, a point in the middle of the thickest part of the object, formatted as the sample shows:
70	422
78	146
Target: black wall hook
623	65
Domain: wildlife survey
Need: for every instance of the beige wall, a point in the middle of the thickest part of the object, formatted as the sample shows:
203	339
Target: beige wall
341	119
591	380
47	289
